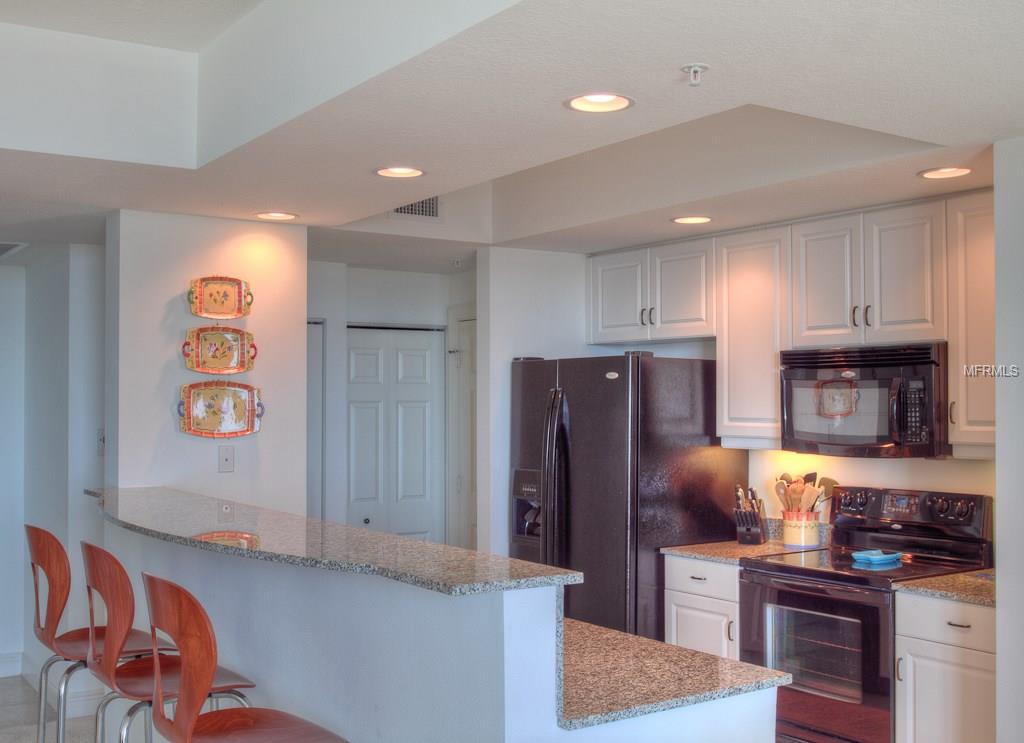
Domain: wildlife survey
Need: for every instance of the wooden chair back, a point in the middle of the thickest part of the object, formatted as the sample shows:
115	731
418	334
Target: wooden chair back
178	614
104	575
47	554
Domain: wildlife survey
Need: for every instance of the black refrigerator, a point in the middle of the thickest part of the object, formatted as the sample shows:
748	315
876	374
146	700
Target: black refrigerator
613	458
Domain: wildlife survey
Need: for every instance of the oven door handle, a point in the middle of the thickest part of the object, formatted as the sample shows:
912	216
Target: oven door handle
828	590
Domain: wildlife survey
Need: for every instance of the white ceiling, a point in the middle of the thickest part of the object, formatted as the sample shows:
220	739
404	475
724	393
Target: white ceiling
487	103
188	25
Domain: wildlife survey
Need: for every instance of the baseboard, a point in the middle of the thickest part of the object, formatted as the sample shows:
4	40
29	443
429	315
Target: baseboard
10	664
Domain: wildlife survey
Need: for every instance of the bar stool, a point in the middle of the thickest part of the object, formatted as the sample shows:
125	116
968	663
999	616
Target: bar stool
134	679
47	554
177	613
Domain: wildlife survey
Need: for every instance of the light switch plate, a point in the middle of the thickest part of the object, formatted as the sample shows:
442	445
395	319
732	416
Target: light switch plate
225	459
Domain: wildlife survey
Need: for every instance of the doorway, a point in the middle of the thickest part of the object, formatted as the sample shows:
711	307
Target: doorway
396	431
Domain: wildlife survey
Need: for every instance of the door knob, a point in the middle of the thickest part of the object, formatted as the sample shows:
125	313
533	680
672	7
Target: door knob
366	521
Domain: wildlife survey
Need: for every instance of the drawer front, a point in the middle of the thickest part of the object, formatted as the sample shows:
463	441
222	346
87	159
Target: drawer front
949	622
712	579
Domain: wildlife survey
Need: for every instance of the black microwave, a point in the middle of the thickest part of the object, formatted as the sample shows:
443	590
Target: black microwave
880	401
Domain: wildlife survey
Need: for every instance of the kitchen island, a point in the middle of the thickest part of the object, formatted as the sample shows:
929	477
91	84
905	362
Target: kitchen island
384	638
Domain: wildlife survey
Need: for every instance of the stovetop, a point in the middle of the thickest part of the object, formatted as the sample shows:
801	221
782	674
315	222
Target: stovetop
836	564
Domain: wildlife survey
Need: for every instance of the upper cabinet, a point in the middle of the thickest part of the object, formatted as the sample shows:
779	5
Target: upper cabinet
753	327
828	282
905	274
970	236
660	293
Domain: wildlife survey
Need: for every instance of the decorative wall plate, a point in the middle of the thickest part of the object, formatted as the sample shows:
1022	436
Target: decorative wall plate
220	297
217	349
220	410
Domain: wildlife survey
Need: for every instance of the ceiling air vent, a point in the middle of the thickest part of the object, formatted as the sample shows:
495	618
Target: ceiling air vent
425	208
7	249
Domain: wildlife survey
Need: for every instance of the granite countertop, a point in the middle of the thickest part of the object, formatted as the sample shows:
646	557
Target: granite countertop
731	552
266	534
610	675
977	587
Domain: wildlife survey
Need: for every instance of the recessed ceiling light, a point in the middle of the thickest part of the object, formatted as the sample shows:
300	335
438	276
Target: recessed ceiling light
692	220
938	173
600	103
398	171
277	216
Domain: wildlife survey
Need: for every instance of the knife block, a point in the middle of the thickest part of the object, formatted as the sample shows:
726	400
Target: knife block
750	526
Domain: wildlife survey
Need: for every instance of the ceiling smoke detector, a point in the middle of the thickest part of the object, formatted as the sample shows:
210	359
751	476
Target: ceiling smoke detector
694	73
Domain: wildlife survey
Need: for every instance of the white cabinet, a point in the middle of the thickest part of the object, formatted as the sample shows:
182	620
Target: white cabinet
682	290
944	694
905	274
753	327
828	282
661	293
618	297
701	623
970	239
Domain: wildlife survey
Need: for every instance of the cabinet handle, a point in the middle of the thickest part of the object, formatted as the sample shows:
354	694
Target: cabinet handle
952	407
728	631
650	316
643	311
899	668
959	626
853	315
696	577
867	316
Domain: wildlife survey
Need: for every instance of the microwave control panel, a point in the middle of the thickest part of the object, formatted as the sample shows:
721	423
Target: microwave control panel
915	407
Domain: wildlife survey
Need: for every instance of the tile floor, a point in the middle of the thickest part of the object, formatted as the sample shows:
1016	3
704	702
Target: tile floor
18	716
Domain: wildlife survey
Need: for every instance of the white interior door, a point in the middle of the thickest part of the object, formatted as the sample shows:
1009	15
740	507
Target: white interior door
315	419
462	458
396	431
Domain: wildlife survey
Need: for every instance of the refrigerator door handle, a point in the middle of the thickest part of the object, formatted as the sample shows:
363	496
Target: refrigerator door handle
553	421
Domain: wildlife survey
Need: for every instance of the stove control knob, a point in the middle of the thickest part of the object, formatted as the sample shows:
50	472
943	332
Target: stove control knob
847	500
862	499
962	509
942	506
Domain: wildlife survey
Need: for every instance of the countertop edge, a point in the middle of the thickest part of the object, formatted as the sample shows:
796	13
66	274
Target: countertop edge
700	551
783	679
448	589
937	593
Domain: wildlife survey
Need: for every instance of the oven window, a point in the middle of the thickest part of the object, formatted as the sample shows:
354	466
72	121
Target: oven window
823	652
840	411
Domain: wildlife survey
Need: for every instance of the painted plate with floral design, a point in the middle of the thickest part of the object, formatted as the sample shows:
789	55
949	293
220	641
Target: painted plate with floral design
220	297
220	410
218	349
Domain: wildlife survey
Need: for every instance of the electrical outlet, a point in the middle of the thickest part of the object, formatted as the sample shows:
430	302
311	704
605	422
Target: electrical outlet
225	459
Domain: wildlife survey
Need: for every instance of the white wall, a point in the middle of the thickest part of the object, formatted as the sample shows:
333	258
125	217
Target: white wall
943	475
12	467
128	102
397	297
1009	195
156	256
529	303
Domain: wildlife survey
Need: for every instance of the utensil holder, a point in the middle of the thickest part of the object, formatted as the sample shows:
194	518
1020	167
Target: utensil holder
750	526
800	529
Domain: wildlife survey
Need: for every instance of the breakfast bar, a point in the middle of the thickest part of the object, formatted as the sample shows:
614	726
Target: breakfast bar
381	637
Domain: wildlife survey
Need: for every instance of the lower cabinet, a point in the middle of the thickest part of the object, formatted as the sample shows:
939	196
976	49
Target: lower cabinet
702	623
944	693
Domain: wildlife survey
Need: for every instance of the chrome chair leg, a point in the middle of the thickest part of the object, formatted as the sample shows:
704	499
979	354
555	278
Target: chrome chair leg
242	699
147	719
126	721
44	681
62	699
101	716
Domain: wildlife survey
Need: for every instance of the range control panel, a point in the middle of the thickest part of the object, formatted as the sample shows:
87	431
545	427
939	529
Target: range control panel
970	512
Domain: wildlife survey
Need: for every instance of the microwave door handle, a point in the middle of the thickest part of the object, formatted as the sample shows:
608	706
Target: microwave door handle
895	429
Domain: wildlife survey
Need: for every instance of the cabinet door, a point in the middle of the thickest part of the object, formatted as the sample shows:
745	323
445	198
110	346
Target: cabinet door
827	282
618	297
944	694
970	236
683	290
700	623
752	271
905	274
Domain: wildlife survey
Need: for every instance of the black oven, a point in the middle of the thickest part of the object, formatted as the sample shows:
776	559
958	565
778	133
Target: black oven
883	401
836	641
